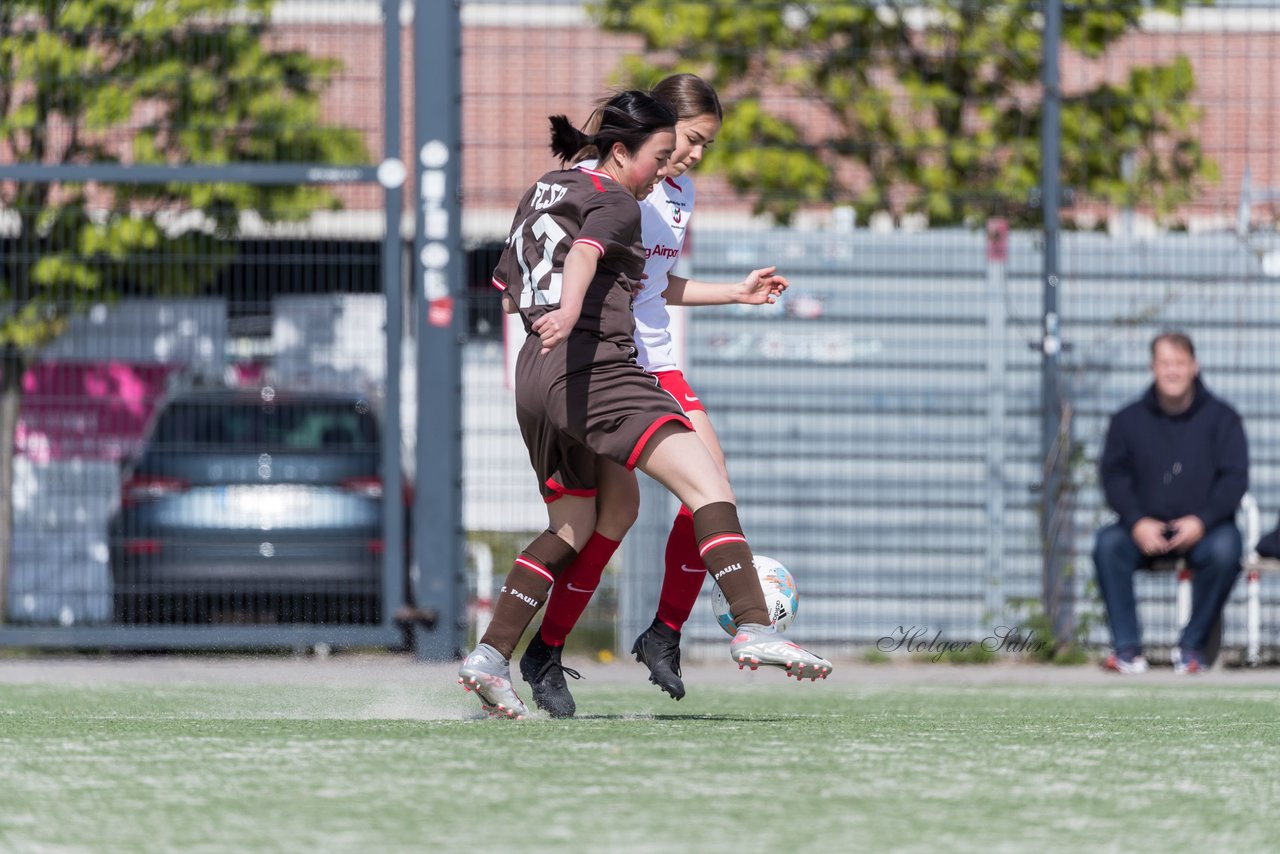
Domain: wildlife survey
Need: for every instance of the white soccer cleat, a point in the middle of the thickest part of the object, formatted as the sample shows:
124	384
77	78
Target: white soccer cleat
487	673
760	646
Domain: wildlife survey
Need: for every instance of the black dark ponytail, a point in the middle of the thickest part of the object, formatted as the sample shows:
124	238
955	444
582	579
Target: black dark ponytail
566	140
629	117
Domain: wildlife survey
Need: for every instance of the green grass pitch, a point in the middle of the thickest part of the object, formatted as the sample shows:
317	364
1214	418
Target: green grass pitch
761	766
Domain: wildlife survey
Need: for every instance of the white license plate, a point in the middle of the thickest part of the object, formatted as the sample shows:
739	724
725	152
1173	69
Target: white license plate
277	501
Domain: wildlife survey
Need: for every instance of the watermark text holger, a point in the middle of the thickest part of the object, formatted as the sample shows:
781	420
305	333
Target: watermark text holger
920	639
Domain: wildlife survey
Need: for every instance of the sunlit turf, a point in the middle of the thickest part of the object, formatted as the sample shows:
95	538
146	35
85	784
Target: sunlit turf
761	767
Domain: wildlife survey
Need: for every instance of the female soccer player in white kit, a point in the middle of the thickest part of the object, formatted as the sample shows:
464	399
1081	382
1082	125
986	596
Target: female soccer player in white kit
665	216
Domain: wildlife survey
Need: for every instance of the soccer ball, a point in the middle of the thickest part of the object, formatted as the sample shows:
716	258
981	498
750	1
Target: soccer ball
780	596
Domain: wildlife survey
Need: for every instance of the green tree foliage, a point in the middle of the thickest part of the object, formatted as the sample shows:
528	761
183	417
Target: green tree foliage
928	106
147	82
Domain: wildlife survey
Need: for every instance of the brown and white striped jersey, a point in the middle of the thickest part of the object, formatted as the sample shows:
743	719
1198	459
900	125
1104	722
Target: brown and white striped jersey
563	208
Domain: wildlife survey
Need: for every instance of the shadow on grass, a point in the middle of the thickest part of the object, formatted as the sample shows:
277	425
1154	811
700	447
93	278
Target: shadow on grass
710	718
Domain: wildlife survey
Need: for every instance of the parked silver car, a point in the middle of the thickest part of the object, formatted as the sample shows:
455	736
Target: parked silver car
252	506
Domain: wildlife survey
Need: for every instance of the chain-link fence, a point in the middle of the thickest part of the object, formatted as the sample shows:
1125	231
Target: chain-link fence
884	423
196	212
194	325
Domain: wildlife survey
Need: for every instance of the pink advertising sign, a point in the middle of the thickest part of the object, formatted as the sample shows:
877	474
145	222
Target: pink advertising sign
94	411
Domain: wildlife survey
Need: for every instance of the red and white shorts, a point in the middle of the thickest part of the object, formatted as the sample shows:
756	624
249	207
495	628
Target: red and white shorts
675	383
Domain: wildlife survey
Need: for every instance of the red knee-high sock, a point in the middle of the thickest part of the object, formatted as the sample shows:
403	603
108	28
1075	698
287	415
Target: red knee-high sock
573	589
684	574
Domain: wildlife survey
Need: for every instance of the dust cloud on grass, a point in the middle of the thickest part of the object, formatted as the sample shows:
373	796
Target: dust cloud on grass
356	687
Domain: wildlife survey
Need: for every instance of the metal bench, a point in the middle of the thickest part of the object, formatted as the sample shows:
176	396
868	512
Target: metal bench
1253	568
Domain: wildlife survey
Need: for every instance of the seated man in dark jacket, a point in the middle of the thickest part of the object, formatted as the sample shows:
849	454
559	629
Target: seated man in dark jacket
1175	466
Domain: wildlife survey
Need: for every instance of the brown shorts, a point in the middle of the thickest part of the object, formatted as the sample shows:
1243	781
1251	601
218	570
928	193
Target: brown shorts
569	417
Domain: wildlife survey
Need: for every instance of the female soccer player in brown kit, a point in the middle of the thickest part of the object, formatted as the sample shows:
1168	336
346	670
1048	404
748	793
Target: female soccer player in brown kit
572	266
665	216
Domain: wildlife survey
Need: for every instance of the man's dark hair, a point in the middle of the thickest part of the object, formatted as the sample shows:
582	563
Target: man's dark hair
1181	340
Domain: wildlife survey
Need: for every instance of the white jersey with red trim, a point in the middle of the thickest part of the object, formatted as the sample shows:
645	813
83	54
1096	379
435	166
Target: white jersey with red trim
664	218
664	221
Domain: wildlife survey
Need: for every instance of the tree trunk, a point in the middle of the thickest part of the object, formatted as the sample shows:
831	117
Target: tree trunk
11	370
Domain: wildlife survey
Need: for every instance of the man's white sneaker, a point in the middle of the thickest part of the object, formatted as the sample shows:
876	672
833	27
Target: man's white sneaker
1129	664
487	673
761	646
1187	662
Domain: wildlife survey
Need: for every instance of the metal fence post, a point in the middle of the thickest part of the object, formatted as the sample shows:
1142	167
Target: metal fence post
391	175
997	430
437	510
1055	455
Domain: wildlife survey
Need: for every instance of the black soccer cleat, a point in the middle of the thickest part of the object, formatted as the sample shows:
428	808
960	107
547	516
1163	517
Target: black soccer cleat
541	668
658	648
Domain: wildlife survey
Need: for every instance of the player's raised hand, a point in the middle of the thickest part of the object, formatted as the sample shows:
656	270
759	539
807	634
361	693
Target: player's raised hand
554	327
762	286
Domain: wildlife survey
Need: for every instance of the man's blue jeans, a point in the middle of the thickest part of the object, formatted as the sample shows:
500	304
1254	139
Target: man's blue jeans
1215	565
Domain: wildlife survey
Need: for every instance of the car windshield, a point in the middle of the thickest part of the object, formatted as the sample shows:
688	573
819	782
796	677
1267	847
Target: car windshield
294	425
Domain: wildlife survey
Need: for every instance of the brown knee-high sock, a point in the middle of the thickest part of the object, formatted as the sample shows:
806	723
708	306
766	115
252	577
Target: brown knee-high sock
525	590
728	558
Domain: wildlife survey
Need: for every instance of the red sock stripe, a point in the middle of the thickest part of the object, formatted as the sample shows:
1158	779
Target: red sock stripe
536	567
720	540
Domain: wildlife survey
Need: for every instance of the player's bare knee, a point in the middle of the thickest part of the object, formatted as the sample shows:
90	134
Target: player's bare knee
614	520
572	519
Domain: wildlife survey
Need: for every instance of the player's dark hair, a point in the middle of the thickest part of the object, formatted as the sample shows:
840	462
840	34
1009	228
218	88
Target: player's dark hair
629	117
689	95
1181	340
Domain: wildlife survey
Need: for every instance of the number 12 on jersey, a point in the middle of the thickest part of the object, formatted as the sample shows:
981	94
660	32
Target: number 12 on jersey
547	232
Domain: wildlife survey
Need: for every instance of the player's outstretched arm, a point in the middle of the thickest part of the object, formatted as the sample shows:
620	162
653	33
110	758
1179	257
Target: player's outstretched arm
758	288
